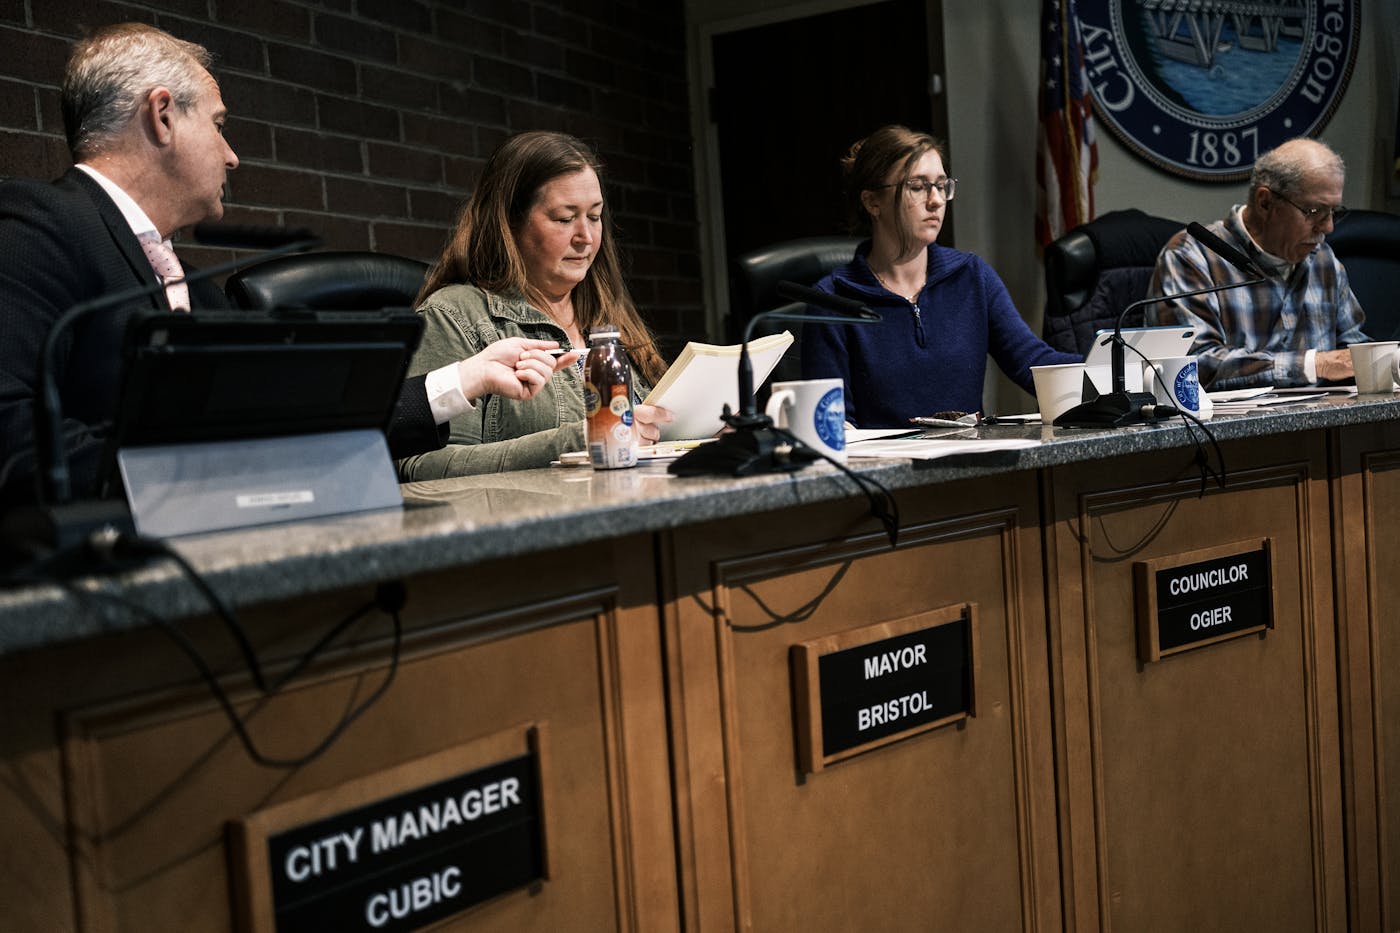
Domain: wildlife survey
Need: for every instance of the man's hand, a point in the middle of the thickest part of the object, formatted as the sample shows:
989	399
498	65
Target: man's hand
515	368
1333	365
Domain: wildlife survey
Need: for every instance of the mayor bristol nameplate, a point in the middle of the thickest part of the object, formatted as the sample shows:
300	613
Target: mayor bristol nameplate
868	687
1202	597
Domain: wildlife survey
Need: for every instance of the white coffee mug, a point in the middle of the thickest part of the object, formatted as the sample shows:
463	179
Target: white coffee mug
815	411
1175	381
1374	364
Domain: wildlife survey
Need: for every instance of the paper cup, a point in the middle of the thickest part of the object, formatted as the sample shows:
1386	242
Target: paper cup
1058	388
815	411
1374	364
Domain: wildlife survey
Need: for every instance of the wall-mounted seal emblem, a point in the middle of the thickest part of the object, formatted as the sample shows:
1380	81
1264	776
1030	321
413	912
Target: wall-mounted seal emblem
1201	88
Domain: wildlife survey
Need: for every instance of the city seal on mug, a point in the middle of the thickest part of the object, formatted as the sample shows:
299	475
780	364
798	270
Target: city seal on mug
829	419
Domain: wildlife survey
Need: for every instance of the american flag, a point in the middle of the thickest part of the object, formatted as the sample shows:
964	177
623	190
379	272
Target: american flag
1067	159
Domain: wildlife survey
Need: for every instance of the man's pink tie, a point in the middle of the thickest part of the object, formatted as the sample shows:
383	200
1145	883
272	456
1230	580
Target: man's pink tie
167	267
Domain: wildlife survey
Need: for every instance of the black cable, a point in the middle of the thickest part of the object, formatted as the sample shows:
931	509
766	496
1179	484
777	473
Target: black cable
123	545
883	506
1188	419
238	723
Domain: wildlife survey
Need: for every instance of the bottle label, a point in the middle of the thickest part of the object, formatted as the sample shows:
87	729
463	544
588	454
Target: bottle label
612	435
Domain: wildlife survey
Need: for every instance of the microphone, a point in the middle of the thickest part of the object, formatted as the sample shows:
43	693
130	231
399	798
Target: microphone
249	236
1222	249
754	446
51	457
1120	407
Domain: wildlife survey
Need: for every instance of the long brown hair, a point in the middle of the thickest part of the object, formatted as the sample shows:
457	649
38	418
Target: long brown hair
870	161
483	251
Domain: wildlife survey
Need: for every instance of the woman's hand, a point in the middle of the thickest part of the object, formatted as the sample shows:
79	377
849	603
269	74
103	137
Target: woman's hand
649	420
516	368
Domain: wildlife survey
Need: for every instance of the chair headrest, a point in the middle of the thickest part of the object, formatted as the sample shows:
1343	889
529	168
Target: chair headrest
329	281
804	261
1366	233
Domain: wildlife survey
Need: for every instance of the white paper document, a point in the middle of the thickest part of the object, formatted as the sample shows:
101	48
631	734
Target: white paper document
923	448
704	378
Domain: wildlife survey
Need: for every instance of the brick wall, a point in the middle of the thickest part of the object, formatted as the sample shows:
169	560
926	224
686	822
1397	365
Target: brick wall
369	120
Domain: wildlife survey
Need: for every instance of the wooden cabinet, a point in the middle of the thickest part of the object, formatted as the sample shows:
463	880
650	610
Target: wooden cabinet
949	829
1201	791
120	755
1367	496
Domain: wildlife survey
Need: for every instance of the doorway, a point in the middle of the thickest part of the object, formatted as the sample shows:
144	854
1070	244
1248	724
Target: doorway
790	97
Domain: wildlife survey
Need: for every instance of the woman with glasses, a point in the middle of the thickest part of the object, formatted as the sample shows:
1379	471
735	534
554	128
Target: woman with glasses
532	257
944	310
1291	325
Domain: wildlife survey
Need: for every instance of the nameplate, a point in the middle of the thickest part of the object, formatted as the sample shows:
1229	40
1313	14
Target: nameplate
396	861
861	689
1203	597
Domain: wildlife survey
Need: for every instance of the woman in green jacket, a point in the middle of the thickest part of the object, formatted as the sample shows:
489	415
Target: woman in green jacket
531	257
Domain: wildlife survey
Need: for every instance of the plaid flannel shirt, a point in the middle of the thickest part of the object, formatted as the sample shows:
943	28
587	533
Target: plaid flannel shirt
1255	335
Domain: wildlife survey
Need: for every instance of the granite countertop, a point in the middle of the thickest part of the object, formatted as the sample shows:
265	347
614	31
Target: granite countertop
472	519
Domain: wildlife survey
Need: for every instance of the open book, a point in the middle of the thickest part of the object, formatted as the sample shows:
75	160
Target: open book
704	378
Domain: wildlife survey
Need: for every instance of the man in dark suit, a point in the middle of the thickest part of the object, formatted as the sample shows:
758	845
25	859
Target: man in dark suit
144	120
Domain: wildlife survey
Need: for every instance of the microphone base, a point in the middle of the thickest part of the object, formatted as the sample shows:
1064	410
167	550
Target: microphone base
1114	410
752	449
35	531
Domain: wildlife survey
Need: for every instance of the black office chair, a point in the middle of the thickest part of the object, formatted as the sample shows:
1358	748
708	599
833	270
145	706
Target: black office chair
1096	270
754	281
329	281
1368	244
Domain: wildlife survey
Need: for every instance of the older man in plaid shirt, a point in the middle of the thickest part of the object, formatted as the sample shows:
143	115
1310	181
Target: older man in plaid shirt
1293	327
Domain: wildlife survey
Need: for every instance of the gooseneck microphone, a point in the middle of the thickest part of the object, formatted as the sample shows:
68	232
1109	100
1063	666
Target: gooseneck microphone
249	236
1120	407
753	446
1222	249
51	456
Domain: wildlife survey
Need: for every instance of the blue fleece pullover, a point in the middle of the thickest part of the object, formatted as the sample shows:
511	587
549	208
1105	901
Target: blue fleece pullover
924	358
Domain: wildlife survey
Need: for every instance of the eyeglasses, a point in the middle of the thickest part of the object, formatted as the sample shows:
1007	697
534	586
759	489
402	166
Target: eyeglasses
919	190
1314	215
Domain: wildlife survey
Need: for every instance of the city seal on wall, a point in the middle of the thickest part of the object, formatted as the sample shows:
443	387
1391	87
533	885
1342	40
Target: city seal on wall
1201	88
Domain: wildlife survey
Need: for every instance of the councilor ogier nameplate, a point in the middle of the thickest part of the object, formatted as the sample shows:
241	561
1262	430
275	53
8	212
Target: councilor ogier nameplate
403	856
868	687
1202	597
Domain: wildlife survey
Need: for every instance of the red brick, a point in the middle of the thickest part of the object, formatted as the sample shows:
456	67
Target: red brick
319	151
394	86
317	70
32	57
78	17
414	241
12	11
230	49
268	100
476	106
405	14
249	138
18	106
450	137
462	174
360	39
493	74
268	18
365	198
414	164
470	33
277	187
338	232
28	155
434	206
356	118
434	58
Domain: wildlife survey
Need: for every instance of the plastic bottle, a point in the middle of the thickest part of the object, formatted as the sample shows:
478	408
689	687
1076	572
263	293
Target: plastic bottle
607	398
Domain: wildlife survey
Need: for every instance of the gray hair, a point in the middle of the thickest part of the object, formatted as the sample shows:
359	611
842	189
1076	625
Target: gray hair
1285	169
110	73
